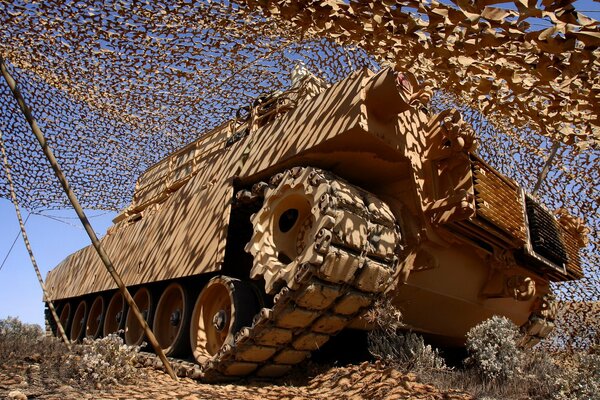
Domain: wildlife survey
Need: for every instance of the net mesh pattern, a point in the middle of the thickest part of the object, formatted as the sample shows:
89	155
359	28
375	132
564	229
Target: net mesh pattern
118	85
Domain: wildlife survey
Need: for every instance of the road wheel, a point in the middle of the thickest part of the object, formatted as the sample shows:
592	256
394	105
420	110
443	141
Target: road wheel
78	324
115	314
170	320
93	327
65	318
134	332
224	306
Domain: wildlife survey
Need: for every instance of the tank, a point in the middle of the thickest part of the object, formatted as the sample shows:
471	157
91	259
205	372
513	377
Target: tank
253	246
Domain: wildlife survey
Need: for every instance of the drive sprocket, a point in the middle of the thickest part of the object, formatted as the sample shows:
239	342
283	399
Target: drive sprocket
311	217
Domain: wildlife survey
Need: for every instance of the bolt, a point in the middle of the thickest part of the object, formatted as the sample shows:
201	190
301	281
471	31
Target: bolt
219	320
175	318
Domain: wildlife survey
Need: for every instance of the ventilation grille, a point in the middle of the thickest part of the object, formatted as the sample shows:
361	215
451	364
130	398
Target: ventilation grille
574	270
544	233
498	201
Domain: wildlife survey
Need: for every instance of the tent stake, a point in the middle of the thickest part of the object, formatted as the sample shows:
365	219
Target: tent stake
12	84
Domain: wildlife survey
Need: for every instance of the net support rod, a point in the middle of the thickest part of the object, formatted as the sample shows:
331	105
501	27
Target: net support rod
546	168
13	197
12	84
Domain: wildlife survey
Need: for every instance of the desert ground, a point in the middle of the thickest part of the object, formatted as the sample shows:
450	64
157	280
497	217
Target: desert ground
362	381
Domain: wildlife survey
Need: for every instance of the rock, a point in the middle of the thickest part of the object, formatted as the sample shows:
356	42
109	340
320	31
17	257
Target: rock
34	358
17	395
64	389
33	368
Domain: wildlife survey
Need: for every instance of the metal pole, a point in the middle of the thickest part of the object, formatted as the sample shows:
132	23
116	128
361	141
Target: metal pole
546	167
15	202
82	217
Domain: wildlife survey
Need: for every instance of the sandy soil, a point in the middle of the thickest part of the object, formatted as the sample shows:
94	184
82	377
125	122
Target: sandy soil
364	381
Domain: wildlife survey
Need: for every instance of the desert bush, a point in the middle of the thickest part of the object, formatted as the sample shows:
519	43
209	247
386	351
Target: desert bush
95	362
25	344
384	316
12	327
17	339
387	342
493	349
508	371
406	350
105	361
561	375
577	377
496	366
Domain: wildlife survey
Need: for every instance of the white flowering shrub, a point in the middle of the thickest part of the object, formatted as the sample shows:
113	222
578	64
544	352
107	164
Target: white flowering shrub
105	361
493	349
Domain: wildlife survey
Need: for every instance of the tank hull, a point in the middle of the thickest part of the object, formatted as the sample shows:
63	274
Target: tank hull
466	240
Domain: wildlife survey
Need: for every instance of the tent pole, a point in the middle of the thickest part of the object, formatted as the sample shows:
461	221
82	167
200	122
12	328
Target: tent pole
12	84
15	202
546	168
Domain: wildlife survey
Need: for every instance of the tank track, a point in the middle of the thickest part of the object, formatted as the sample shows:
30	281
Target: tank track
345	272
326	294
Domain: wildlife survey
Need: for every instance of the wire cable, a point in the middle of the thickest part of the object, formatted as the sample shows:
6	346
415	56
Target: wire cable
13	243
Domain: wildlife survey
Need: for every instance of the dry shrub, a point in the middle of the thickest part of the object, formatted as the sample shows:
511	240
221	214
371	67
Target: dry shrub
95	362
25	344
385	316
105	361
506	370
563	376
17	339
405	350
496	367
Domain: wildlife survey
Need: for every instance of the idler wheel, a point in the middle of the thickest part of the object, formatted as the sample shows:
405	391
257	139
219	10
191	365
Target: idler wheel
115	314
134	332
78	324
224	306
170	320
93	327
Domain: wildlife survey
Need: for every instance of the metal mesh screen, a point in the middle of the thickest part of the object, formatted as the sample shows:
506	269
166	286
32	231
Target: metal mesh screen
117	85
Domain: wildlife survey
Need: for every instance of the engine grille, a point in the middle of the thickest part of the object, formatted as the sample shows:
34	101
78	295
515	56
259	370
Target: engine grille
574	270
498	201
544	233
507	218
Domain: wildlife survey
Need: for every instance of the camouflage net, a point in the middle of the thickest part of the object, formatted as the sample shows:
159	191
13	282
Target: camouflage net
117	85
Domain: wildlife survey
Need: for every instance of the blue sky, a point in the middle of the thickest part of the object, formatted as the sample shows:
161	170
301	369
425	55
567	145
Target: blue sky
53	240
